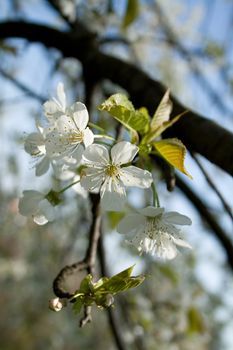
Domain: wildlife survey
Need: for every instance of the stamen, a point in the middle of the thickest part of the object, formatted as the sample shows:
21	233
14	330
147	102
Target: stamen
112	170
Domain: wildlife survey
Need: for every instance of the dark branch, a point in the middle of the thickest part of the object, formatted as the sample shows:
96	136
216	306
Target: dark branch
198	133
200	206
213	186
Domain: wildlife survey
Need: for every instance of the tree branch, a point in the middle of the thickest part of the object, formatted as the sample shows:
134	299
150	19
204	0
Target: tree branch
198	133
200	206
213	186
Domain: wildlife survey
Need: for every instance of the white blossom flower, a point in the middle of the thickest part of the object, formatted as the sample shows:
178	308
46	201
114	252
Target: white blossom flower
38	206
35	146
69	134
56	107
105	173
154	231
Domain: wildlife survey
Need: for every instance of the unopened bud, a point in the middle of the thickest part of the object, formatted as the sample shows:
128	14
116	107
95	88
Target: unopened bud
109	300
55	304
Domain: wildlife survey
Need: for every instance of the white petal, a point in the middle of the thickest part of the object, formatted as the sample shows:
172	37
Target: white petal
181	243
130	223
43	166
123	152
65	124
80	190
32	143
46	209
151	211
61	95
133	176
28	204
80	115
112	195
57	146
88	137
177	219
92	179
51	107
96	155
40	220
168	251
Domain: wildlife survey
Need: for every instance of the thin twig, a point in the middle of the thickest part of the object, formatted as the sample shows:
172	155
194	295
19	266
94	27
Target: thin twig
88	263
213	186
22	87
114	326
209	219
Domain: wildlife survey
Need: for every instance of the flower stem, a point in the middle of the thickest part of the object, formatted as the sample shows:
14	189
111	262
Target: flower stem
104	137
155	196
70	185
97	127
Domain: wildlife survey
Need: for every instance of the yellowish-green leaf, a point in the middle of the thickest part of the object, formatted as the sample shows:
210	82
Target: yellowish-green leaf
152	135
131	13
162	113
195	321
123	111
173	151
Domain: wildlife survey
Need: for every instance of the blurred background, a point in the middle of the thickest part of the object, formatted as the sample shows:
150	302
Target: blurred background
184	304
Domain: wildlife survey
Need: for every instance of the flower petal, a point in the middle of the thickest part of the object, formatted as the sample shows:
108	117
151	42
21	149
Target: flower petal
151	211
88	137
123	152
40	219
66	124
80	115
51	108
166	250
96	155
43	166
28	204
181	243
130	223
133	176
112	195
177	219
32	143
61	96
92	179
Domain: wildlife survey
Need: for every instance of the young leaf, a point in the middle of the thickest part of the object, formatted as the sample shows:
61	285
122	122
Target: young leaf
86	285
77	305
162	113
173	151
123	111
131	13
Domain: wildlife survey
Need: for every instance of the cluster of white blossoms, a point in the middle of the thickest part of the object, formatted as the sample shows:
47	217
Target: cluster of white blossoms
67	144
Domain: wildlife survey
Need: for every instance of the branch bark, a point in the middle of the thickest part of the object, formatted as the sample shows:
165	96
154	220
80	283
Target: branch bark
198	133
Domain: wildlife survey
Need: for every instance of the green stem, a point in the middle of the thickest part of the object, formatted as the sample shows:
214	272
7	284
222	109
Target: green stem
104	137
97	127
70	185
155	196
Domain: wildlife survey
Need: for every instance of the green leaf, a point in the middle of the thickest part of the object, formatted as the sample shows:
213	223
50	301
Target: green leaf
132	12
121	282
123	111
77	305
173	151
160	121
114	217
162	113
86	285
195	321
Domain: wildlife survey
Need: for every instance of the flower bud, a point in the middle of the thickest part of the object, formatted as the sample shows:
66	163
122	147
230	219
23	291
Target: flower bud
109	300
55	304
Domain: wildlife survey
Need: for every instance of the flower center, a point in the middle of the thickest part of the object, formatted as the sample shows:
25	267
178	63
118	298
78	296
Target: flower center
154	227
75	137
112	170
